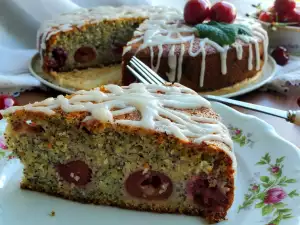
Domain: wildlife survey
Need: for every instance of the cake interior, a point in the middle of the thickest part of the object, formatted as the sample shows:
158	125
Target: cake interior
92	45
106	161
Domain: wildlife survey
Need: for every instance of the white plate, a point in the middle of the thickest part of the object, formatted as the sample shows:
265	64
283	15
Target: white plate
268	73
255	141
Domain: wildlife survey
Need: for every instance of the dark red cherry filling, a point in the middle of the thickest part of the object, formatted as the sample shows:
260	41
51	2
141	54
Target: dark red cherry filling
85	54
151	185
210	198
117	47
76	172
58	60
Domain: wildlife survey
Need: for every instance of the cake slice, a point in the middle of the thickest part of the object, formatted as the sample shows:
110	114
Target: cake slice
90	38
144	147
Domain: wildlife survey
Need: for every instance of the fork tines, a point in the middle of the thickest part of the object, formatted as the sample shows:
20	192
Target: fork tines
143	73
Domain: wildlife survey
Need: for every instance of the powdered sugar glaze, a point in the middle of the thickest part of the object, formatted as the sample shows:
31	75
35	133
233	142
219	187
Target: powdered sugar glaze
159	107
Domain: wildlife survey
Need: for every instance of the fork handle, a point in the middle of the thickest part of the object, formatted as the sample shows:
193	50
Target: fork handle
294	117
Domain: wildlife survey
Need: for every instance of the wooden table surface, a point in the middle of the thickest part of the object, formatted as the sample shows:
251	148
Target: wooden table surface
287	130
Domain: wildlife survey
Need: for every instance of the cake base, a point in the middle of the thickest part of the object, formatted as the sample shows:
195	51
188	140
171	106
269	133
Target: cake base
88	78
85	79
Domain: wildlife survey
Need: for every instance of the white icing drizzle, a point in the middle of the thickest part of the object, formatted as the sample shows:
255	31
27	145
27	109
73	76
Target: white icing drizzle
159	107
172	61
239	51
126	49
250	66
180	60
257	55
224	60
160	52
263	35
202	71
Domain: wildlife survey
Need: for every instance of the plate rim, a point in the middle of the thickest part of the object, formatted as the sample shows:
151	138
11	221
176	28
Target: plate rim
269	127
256	85
253	86
44	81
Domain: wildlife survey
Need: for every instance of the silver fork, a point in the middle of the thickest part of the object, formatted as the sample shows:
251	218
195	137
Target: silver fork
147	76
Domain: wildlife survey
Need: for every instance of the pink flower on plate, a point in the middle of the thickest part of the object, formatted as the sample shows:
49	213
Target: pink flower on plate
275	169
11	157
237	131
274	195
254	187
2	143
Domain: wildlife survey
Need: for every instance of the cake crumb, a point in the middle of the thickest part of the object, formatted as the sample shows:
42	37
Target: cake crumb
52	213
77	178
163	188
146	170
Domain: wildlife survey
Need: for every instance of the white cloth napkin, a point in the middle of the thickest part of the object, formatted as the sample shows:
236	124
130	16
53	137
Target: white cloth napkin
15	76
287	78
14	73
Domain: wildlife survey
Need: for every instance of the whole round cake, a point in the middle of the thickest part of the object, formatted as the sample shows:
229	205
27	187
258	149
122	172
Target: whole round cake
84	49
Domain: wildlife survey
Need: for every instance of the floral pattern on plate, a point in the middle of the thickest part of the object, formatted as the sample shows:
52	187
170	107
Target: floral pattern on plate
240	137
4	152
269	194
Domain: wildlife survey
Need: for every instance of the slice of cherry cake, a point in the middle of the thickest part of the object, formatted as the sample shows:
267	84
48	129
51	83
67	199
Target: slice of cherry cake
144	147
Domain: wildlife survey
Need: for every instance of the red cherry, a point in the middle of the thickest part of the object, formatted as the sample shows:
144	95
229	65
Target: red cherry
196	11
223	12
298	101
281	55
291	17
266	17
284	6
6	101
